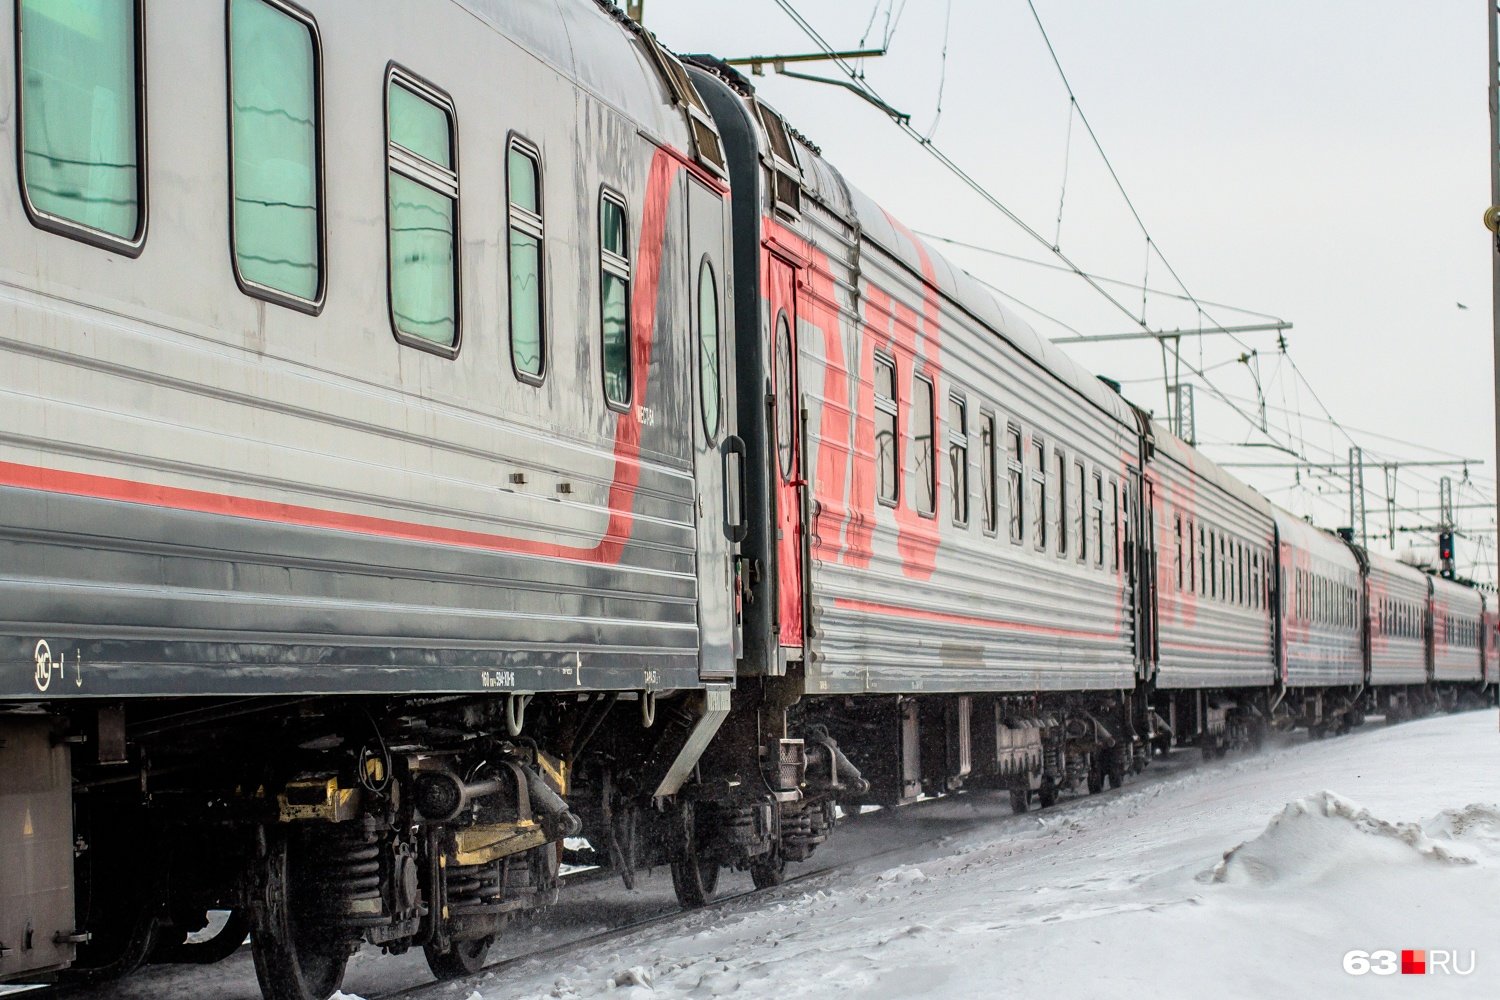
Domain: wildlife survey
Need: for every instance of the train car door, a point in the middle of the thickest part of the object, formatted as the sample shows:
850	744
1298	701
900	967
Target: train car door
785	432
716	449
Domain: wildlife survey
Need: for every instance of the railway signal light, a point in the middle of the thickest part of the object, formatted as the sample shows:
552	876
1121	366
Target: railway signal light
1445	553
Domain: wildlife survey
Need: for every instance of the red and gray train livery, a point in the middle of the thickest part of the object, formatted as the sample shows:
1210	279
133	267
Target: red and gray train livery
445	433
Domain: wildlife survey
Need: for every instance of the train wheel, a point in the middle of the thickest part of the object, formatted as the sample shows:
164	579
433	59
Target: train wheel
294	958
1115	768
694	877
768	870
1046	796
1020	800
464	958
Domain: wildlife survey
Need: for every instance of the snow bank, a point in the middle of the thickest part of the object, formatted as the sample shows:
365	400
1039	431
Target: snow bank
1323	836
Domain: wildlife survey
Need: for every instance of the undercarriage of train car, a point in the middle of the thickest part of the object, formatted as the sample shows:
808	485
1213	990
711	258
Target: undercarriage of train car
318	824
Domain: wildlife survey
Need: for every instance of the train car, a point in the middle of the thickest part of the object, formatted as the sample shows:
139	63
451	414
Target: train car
942	528
1491	643
1215	544
1396	597
365	492
1455	640
1321	624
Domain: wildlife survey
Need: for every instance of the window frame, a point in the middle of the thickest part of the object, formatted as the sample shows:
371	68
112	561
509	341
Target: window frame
396	74
932	481
623	268
1081	521
989	474
707	265
515	141
313	306
891	406
958	441
56	224
1015	474
1037	478
1061	458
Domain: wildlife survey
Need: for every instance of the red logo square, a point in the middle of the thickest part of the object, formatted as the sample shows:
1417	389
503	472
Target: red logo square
1414	963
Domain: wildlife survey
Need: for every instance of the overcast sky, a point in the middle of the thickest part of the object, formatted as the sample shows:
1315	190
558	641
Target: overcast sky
1324	161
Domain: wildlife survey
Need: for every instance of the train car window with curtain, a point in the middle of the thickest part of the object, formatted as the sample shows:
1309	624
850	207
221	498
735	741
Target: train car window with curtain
925	458
988	494
82	142
887	445
1015	483
958	459
614	300
528	289
1039	493
1080	516
276	213
422	182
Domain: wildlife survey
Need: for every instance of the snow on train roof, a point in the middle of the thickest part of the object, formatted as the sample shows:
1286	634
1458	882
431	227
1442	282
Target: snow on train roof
595	49
827	184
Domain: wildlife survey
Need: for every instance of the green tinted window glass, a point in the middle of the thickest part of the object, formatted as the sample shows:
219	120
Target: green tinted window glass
708	347
615	304
523	182
420	126
526	303
423	277
612	228
80	148
273	94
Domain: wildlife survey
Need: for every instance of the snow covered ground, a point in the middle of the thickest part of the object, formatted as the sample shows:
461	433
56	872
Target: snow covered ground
1246	878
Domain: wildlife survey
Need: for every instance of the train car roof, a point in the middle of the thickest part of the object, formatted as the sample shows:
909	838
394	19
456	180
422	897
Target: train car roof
1184	454
600	50
825	183
1394	567
1451	591
1295	531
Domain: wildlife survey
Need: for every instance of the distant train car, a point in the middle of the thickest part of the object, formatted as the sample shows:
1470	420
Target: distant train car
1456	639
1321	621
1396	601
1215	540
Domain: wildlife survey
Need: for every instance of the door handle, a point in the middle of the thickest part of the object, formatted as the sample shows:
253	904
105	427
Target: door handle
739	520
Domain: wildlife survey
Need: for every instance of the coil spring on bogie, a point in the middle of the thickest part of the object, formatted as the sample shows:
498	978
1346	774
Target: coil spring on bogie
351	879
472	888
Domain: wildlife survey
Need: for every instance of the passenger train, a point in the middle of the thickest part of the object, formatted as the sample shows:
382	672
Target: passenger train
443	434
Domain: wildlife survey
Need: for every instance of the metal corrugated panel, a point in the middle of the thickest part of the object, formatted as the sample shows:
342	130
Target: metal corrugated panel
1456	614
1316	652
902	603
1397	602
1207	638
249	486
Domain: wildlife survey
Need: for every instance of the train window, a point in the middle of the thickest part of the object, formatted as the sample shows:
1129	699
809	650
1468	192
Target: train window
82	120
614	301
1241	574
988	495
782	386
1081	513
275	141
1039	493
1061	522
1098	521
709	386
1114	523
528	290
1016	482
1177	525
887	446
1202	562
925	458
958	458
422	219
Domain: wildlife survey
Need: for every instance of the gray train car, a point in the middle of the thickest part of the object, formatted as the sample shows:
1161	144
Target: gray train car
1216	544
365	444
1456	640
1321	608
1396	596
